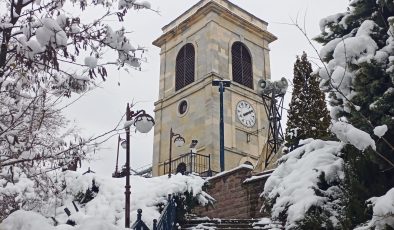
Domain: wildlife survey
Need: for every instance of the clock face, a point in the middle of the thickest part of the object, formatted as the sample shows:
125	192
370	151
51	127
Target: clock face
246	114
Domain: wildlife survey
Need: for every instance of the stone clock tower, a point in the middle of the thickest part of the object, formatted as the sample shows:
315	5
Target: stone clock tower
214	39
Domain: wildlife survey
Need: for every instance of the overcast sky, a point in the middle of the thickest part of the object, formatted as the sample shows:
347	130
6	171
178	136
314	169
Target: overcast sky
101	109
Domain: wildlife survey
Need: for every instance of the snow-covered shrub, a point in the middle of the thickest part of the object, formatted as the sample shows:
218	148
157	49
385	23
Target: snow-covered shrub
306	185
107	206
17	191
26	220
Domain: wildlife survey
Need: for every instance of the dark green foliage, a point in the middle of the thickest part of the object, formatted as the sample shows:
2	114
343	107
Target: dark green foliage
363	180
382	110
367	174
318	217
315	218
308	116
185	204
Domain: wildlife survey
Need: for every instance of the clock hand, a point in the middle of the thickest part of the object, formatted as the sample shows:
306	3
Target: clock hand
247	113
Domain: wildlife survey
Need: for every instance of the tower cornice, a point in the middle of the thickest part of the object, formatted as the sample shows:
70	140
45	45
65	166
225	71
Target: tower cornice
202	8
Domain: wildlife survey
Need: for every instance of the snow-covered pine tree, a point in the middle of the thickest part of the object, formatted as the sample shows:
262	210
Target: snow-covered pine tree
358	52
308	115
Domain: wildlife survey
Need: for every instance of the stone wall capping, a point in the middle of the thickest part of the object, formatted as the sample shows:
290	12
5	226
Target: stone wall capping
254	178
235	170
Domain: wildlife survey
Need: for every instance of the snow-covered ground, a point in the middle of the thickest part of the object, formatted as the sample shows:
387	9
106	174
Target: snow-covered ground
106	210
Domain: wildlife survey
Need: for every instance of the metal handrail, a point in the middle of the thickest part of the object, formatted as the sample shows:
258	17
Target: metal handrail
167	217
193	163
166	221
139	224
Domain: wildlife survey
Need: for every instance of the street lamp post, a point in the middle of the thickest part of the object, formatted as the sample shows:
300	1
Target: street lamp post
222	85
123	143
179	141
143	123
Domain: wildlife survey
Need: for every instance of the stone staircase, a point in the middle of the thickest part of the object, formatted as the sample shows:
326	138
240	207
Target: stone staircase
227	224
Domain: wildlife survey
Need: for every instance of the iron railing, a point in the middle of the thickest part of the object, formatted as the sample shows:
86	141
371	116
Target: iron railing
190	163
168	216
167	219
139	224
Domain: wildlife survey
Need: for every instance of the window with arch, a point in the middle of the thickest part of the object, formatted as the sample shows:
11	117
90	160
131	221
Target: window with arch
242	65
184	74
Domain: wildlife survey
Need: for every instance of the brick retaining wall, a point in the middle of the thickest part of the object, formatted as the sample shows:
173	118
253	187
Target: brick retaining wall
235	197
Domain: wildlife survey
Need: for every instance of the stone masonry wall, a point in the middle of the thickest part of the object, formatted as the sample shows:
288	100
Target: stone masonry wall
235	197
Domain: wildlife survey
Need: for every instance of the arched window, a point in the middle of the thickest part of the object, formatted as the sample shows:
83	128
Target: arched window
242	65
184	67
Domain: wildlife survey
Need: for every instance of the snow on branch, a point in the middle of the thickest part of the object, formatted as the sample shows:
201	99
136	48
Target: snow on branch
348	134
306	178
383	212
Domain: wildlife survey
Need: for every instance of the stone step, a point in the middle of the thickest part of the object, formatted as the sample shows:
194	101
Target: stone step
218	224
231	221
226	224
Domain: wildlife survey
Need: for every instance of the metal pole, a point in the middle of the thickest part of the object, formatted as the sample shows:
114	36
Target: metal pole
221	90
117	156
169	172
209	166
127	193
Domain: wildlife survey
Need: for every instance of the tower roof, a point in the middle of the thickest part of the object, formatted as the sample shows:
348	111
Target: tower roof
223	7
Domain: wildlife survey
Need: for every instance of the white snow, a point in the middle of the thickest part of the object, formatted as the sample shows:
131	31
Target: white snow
366	28
267	223
6	25
380	130
106	210
146	4
91	62
118	41
75	28
246	166
26	220
51	33
347	133
330	19
124	3
61	20
383	212
355	50
329	47
293	185
204	226
253	178
342	79
264	221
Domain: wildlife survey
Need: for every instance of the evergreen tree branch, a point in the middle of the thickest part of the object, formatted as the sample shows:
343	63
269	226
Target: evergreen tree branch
343	95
